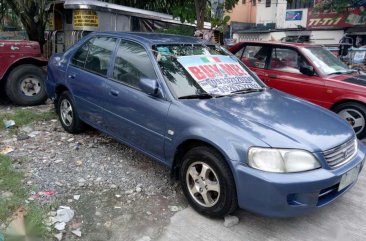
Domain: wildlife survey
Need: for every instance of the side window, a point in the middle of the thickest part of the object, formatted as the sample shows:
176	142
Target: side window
132	63
80	56
287	60
255	56
100	54
240	52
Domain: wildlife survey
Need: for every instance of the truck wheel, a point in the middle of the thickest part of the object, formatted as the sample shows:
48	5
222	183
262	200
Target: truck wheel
207	182
25	85
355	114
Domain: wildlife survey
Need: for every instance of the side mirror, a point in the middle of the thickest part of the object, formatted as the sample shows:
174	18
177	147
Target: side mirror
150	86
307	70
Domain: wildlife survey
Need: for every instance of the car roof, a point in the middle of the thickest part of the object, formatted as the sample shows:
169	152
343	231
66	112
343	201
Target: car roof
288	44
157	38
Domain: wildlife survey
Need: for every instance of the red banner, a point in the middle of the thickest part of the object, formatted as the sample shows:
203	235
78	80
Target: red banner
333	20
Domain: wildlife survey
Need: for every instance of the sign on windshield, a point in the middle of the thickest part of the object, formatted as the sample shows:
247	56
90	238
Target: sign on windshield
218	74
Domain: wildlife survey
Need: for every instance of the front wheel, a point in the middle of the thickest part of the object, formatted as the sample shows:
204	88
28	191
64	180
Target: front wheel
355	114
207	182
25	85
68	114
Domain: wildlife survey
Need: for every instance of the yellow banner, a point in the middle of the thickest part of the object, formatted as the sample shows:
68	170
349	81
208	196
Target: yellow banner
85	19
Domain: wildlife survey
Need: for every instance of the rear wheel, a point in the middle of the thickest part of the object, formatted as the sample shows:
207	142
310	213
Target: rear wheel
25	85
355	114
207	182
68	114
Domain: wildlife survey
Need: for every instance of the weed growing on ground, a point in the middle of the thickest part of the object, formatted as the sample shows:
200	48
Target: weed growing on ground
11	187
24	117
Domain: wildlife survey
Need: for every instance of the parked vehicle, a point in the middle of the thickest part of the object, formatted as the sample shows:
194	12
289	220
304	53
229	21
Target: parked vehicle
192	106
22	72
312	73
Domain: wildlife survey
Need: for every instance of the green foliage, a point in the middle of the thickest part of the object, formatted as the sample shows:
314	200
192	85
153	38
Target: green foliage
335	5
11	182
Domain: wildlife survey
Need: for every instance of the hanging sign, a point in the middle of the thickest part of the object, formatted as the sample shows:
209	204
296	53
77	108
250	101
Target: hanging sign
85	20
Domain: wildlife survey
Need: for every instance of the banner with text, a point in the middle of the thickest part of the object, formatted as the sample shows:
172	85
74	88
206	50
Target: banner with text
218	74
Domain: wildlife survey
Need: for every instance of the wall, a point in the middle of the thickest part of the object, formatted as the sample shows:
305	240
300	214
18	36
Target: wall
245	13
326	36
270	14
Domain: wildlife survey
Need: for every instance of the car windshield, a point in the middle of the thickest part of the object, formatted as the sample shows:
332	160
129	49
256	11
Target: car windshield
200	71
325	61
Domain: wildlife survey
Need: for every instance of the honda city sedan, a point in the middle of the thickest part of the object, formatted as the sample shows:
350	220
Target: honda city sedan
312	73
192	106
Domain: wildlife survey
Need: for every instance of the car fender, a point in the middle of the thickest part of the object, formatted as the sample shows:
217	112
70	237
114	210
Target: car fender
349	97
231	148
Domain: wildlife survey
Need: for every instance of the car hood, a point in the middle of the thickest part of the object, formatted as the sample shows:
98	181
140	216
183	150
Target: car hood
277	119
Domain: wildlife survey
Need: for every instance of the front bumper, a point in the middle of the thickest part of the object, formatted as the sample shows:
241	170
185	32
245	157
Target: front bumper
292	194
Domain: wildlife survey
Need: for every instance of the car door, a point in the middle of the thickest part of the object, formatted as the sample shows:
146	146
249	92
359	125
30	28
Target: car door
134	116
255	56
284	74
87	75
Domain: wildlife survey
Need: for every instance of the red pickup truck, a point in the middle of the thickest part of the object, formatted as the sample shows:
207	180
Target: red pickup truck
22	72
310	72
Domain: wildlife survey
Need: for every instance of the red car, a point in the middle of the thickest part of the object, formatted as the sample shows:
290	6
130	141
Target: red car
310	72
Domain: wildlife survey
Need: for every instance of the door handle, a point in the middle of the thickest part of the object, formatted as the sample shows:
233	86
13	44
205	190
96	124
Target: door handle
114	92
272	76
71	76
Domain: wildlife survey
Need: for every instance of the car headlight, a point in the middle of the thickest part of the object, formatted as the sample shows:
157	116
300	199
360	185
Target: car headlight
281	160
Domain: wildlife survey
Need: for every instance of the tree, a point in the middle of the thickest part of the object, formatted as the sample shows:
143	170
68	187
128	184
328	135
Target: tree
337	5
33	16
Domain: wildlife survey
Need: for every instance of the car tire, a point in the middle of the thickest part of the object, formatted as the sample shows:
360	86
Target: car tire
207	182
25	85
355	114
68	114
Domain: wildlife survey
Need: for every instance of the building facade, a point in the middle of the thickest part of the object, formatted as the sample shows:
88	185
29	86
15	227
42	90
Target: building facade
297	20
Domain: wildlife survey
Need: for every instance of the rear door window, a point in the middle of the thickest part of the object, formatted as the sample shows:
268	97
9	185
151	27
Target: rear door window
255	56
287	60
81	54
100	54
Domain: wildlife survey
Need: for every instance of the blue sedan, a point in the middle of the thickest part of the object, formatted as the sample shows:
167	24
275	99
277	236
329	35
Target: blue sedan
231	140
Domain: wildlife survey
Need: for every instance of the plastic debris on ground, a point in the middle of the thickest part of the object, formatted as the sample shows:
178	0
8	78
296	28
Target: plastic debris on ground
77	232
43	194
6	150
64	214
58	236
17	226
9	123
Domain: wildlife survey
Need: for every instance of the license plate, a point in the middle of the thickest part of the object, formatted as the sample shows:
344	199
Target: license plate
349	178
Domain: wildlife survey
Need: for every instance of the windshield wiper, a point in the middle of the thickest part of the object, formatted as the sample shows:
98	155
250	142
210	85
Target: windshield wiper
249	90
196	96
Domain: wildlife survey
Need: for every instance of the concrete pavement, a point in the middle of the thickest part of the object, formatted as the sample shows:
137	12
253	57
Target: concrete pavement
345	219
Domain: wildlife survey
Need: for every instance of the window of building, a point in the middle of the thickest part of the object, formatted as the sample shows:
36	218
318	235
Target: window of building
243	1
254	2
295	4
268	3
132	63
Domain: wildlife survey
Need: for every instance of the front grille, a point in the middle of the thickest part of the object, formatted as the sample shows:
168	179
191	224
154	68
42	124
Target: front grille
341	154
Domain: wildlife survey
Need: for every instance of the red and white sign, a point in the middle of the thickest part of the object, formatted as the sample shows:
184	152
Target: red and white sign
218	74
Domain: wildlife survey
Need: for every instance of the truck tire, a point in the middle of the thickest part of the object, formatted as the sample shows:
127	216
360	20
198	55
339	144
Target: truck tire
25	85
